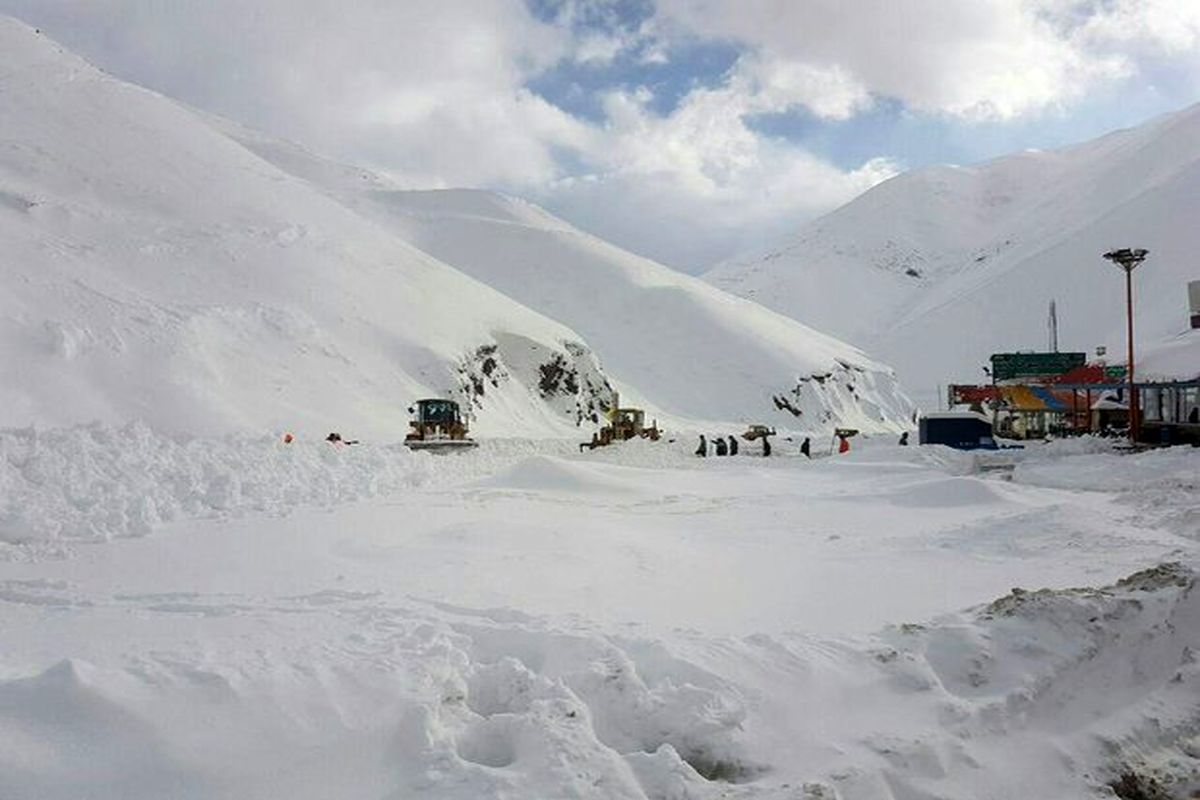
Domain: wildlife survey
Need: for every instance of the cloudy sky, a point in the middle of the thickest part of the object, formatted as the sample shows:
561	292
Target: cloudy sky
686	130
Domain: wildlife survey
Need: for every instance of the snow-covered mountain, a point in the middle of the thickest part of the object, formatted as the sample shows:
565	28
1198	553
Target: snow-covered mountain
670	342
936	269
155	269
162	265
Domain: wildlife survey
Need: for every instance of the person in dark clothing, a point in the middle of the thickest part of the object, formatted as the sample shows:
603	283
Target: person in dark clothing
904	439
733	445
702	450
806	447
766	446
719	444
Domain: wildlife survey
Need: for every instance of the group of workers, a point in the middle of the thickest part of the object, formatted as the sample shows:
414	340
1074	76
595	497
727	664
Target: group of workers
721	446
728	445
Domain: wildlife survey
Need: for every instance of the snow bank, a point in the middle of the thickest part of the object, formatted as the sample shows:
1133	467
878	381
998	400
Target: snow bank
1096	467
99	481
1056	692
1049	693
452	705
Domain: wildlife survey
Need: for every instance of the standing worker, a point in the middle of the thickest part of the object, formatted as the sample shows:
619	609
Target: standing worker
702	450
733	445
806	447
766	446
719	444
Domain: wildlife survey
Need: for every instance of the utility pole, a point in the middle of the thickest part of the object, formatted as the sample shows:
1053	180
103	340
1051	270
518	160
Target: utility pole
1128	260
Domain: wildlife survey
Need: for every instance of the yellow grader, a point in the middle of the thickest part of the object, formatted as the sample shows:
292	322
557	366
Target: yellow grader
623	424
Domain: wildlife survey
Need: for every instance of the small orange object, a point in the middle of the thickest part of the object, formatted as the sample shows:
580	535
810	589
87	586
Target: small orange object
288	438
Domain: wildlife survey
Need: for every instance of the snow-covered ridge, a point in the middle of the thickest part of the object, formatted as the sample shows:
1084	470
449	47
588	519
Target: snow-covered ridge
962	262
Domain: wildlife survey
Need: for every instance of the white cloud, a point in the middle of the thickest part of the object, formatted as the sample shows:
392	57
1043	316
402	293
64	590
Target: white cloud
436	91
696	185
1172	26
984	59
431	89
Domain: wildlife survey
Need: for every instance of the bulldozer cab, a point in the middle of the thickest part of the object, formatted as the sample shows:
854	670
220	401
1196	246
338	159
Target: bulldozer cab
437	424
437	412
630	419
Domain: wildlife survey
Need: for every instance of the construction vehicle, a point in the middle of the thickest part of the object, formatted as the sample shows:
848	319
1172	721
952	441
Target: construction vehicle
757	432
437	426
623	424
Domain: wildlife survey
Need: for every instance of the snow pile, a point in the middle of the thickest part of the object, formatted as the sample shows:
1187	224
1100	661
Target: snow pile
962	262
455	706
1076	686
98	481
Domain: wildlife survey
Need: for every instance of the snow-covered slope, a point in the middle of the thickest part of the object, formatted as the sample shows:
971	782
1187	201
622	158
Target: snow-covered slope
156	269
680	347
936	269
670	342
167	266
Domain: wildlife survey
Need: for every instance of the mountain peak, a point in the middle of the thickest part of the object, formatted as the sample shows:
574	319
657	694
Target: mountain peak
962	261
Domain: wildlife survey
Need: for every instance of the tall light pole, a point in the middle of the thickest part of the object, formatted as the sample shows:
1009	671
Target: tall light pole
1128	259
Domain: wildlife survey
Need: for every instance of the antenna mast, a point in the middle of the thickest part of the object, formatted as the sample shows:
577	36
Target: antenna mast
1053	323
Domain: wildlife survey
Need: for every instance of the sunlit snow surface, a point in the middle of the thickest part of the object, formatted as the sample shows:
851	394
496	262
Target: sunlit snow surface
192	618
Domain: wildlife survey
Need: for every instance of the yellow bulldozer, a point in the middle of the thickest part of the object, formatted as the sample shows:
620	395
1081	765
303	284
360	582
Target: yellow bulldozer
623	424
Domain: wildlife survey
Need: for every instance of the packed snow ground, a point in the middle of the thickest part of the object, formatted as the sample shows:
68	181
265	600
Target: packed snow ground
194	618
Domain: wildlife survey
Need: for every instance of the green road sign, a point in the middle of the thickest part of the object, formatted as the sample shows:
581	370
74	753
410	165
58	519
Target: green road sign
1008	366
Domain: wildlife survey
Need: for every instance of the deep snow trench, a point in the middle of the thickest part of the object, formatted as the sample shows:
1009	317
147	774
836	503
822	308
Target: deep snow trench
192	618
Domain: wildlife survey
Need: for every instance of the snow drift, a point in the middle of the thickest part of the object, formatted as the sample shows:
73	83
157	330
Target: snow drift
961	262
